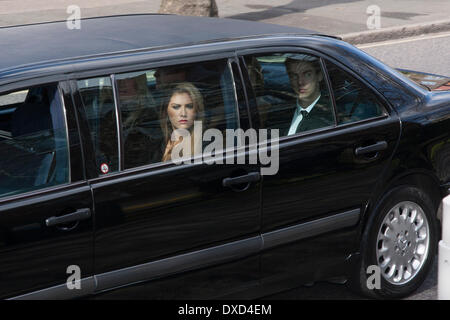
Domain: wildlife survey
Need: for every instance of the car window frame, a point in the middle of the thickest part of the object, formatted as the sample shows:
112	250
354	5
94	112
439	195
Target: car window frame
151	168
380	98
391	112
322	66
75	179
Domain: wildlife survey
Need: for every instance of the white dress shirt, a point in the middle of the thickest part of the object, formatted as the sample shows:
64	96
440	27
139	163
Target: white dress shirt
298	116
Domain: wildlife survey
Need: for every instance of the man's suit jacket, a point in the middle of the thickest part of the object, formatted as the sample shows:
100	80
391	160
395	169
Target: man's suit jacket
320	116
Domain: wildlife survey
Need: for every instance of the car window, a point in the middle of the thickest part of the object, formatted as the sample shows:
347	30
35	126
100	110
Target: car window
194	97
33	140
291	92
98	101
354	101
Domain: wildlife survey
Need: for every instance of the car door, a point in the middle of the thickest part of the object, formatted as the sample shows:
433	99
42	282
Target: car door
327	172
155	218
46	230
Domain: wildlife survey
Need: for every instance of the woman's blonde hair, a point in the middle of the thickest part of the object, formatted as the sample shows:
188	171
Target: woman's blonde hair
197	101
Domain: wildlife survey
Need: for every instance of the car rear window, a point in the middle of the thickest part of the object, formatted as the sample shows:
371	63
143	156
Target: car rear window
33	140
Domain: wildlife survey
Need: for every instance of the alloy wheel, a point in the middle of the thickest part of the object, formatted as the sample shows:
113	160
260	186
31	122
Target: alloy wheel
403	242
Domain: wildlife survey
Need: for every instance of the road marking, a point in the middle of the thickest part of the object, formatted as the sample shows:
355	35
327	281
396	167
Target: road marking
391	42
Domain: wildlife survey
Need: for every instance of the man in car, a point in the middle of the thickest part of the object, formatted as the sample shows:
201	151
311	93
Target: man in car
313	105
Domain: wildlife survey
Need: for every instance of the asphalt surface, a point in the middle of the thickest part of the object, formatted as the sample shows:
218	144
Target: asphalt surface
327	16
429	53
331	291
335	16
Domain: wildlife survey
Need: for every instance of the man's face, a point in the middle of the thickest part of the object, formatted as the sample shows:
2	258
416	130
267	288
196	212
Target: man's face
305	80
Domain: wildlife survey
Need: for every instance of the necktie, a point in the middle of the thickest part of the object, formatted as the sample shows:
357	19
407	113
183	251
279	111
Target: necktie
294	126
304	114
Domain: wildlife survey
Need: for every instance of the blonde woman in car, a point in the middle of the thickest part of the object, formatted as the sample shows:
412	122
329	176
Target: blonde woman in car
182	105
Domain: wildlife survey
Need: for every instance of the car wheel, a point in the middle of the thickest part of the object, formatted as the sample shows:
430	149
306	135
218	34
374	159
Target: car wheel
399	244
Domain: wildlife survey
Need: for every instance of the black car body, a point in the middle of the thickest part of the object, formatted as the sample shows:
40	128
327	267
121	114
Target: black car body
179	231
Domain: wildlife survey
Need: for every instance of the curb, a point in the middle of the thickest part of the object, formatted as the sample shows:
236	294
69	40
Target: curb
396	32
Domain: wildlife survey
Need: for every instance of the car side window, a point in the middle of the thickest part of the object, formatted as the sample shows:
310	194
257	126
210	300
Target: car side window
153	103
33	140
291	92
354	101
98	101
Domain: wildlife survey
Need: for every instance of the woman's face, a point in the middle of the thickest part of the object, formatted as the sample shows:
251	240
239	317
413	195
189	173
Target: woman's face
181	111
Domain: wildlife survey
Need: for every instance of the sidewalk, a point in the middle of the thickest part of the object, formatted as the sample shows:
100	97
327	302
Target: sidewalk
348	18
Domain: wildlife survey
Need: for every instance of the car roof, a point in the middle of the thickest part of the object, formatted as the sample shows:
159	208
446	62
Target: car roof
51	41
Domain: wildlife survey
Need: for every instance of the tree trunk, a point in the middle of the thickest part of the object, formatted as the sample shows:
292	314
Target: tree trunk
206	8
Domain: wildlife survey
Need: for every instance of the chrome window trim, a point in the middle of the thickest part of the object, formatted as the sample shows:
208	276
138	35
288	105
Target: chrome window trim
63	105
236	100
118	120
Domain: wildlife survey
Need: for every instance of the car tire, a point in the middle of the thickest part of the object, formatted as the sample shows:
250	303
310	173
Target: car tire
398	245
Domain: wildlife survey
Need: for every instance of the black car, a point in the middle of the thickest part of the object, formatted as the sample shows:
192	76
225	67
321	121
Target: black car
91	206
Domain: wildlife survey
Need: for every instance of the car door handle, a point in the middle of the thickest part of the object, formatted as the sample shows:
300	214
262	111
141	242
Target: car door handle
78	215
379	146
251	177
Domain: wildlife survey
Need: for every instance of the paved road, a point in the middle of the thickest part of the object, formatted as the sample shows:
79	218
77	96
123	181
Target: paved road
430	53
326	16
330	291
335	16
